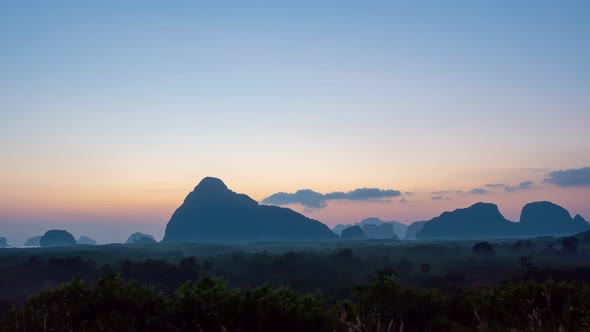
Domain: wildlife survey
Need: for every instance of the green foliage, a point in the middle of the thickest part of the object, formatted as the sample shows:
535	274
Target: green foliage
435	287
208	304
532	306
112	304
483	248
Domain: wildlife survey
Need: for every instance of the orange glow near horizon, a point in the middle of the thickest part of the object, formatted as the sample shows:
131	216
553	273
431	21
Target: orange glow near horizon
153	201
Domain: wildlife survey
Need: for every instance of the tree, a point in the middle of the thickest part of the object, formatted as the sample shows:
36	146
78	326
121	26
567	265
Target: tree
526	262
569	245
483	248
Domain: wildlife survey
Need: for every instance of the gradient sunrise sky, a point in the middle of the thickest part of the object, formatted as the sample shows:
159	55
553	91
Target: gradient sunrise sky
112	111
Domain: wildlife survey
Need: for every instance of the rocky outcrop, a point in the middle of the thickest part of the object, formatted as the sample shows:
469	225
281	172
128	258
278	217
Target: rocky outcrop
399	228
413	229
479	221
353	233
86	241
57	238
140	238
546	218
339	228
34	241
381	231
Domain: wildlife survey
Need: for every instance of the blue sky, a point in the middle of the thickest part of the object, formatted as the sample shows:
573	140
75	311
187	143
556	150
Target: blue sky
114	110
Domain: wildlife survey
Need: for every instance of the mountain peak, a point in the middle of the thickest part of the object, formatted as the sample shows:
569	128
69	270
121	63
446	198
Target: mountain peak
482	205
578	218
211	184
371	221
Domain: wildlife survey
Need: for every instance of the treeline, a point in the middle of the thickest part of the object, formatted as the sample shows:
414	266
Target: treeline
208	304
334	271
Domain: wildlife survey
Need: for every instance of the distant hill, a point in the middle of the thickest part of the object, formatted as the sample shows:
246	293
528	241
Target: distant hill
140	238
214	213
479	221
3	242
57	238
413	229
86	240
583	237
484	221
34	241
381	231
340	227
353	233
398	227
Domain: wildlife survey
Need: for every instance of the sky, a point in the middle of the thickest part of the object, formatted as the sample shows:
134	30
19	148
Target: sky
112	111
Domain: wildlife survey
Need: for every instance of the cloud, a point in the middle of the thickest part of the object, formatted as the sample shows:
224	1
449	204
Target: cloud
403	200
438	198
316	200
305	197
363	194
409	193
521	186
478	191
442	192
579	177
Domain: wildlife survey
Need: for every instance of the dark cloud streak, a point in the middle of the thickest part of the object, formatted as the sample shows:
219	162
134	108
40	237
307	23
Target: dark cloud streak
578	177
521	186
315	200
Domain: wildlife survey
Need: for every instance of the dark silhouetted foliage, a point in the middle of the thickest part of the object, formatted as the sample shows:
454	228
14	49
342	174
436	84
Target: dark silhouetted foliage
483	248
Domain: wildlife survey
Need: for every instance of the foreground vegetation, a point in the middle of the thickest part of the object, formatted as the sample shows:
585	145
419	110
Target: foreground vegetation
537	285
208	304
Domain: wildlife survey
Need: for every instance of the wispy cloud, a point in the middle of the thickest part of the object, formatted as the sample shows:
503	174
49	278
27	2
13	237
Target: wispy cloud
363	194
521	186
478	191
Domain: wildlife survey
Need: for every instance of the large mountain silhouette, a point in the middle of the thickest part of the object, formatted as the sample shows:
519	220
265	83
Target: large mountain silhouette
484	220
213	213
481	220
